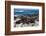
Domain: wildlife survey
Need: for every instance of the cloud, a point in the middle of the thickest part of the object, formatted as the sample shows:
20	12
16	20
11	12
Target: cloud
19	10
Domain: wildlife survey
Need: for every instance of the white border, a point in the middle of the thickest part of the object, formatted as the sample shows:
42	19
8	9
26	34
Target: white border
26	28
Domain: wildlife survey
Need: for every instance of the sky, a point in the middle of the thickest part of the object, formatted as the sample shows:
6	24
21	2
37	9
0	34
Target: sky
25	11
